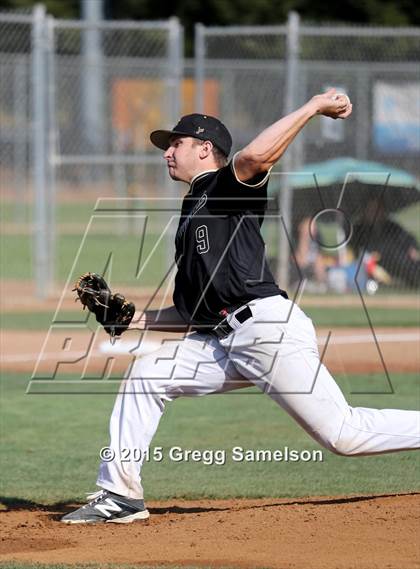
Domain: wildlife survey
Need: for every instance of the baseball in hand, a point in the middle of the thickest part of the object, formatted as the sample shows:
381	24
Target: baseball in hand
338	95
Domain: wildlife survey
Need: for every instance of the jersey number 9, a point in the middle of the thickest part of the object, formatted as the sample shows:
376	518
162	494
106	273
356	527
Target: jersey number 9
202	238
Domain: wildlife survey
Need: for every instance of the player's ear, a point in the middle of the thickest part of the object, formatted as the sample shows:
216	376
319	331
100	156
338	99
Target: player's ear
205	149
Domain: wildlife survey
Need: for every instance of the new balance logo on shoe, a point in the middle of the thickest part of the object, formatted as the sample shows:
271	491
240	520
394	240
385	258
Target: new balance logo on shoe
107	508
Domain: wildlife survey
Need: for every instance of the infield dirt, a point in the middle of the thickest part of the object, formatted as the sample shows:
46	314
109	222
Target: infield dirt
363	532
350	350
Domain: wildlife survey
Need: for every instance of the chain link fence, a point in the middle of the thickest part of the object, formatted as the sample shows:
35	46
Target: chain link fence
15	109
77	102
251	76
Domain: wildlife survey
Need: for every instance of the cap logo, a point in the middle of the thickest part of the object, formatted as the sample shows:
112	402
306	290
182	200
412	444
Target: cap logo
199	130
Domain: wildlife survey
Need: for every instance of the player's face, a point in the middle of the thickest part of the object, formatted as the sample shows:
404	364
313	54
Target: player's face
182	158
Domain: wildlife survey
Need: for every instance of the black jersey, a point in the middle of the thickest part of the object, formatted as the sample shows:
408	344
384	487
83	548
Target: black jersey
220	252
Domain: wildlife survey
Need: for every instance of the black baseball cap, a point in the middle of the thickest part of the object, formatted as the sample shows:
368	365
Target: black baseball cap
199	126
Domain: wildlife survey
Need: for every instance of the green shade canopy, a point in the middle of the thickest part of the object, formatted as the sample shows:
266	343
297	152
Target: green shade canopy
349	184
340	170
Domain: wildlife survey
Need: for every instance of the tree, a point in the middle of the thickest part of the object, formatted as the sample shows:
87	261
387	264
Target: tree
58	8
241	12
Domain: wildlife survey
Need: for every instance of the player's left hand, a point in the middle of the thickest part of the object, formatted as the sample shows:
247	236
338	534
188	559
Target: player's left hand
113	311
332	104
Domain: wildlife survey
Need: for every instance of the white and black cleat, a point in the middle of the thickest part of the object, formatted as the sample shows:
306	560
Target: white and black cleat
104	507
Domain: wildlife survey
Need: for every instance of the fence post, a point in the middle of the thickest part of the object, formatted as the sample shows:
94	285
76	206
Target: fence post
51	151
175	76
199	59
39	156
288	160
176	48
362	117
93	78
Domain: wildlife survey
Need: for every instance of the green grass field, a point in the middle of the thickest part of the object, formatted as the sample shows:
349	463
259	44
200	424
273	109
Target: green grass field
105	237
80	211
46	456
51	443
127	253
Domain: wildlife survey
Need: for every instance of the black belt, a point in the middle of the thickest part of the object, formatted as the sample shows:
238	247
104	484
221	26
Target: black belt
223	329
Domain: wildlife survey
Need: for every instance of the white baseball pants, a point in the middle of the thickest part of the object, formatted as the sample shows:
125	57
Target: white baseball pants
276	350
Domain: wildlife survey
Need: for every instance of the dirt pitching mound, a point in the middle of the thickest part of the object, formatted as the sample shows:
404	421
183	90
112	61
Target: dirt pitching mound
363	532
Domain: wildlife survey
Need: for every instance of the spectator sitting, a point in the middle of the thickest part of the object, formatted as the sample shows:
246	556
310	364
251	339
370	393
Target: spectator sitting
396	250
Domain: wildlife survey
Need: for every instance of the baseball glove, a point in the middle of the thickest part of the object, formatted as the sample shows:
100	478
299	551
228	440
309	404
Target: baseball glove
113	311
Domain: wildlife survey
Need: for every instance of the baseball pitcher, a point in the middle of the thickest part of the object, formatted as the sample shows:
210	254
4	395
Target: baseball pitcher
242	328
